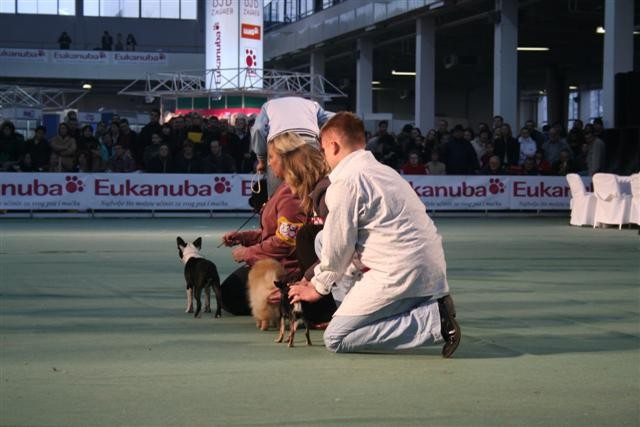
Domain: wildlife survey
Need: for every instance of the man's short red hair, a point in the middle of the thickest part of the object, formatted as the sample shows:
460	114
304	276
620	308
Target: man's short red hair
348	126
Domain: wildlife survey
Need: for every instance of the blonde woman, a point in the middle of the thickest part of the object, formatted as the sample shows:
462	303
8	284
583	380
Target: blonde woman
280	220
304	169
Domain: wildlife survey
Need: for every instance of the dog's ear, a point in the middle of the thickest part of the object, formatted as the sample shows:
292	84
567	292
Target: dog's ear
181	243
198	243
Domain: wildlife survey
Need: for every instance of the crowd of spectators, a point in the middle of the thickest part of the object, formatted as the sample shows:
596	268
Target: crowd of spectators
186	144
492	150
194	144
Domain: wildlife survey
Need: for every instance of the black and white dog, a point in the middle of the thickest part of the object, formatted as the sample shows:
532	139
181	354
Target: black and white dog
200	274
292	312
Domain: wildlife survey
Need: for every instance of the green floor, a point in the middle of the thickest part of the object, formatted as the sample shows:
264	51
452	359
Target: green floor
93	333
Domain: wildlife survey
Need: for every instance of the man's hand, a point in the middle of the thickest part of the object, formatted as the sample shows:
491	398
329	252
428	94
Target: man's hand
303	291
261	166
232	238
239	254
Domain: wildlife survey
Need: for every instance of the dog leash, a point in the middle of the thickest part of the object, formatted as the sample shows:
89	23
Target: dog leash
253	181
240	228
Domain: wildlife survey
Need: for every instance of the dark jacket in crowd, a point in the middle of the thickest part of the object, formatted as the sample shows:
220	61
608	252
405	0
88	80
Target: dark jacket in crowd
40	152
221	163
149	129
460	157
161	165
12	146
184	165
512	151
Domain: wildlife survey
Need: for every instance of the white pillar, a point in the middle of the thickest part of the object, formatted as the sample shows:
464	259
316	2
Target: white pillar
316	69
505	62
425	74
584	108
618	51
364	75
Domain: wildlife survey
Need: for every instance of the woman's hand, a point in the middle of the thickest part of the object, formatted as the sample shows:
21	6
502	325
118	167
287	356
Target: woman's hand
303	291
232	238
239	254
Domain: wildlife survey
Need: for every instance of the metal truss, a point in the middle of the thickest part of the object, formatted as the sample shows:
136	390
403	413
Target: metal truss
233	81
47	99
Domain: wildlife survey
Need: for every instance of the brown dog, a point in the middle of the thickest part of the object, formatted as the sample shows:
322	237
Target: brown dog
260	284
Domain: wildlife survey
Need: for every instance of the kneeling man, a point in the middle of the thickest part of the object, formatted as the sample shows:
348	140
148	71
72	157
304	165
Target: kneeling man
375	218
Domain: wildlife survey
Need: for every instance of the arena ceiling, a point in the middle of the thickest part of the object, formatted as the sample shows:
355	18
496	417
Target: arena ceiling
464	47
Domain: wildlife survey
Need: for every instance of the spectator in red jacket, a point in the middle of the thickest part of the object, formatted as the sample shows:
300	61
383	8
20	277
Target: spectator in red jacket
414	166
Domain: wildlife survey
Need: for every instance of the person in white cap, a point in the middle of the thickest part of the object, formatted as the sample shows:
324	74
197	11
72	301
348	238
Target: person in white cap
280	115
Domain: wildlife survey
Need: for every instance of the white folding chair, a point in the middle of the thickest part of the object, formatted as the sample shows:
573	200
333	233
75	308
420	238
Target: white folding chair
583	203
634	215
612	207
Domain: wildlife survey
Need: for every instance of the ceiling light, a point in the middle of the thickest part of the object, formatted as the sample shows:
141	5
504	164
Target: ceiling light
600	30
403	73
375	82
86	86
533	49
573	87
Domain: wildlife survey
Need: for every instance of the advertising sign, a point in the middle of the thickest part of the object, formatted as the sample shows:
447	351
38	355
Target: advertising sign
145	58
28	55
251	21
140	191
79	57
115	191
233	43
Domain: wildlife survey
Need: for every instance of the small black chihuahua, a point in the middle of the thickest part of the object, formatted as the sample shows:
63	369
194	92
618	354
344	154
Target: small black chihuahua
293	312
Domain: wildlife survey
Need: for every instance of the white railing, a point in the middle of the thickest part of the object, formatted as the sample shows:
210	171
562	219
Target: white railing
233	81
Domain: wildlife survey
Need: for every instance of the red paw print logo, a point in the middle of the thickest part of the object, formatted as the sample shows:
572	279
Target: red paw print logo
73	184
250	58
221	185
496	186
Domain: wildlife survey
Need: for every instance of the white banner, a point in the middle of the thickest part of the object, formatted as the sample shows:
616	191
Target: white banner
493	192
29	55
233	42
221	42
251	21
113	191
542	192
461	192
79	57
128	58
50	191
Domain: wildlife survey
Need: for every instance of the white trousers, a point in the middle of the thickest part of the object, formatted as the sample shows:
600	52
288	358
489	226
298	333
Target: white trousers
404	324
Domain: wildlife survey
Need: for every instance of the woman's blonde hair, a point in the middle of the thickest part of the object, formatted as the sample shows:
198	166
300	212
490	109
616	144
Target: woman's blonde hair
303	166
